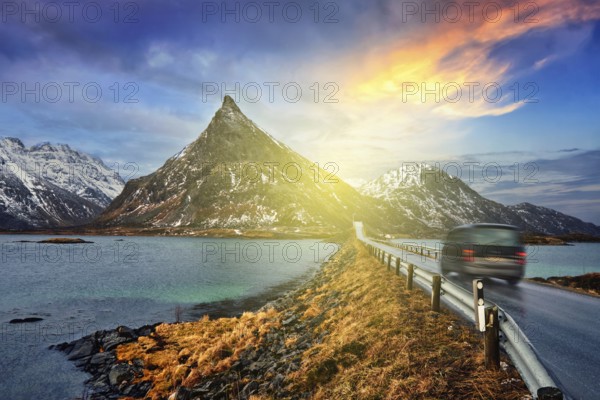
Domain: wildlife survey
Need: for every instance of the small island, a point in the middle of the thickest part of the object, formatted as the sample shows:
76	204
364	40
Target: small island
64	241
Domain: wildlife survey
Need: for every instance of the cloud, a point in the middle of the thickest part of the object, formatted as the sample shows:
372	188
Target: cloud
448	55
368	54
568	183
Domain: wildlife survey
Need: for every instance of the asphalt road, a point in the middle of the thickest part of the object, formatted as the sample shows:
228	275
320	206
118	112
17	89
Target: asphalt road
562	326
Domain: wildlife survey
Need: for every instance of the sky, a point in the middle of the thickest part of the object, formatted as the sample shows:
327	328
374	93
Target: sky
507	91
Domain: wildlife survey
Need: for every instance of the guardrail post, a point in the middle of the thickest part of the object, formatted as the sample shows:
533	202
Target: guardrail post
436	287
389	266
549	393
492	338
397	265
382	256
409	277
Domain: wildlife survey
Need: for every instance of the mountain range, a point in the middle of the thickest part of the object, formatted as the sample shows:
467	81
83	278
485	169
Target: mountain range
236	176
52	186
427	201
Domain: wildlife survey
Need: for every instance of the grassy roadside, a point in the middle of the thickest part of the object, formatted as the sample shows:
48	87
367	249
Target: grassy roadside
351	332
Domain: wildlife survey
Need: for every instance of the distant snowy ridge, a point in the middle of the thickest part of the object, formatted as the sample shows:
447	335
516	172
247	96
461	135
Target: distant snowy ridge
48	185
423	199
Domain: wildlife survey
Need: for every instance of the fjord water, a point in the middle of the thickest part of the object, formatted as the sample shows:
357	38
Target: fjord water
81	288
545	261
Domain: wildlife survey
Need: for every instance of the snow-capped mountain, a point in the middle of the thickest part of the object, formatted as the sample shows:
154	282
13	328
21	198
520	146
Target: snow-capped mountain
422	199
549	221
47	186
234	175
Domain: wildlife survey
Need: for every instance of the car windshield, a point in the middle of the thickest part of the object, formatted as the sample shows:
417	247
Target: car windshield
495	236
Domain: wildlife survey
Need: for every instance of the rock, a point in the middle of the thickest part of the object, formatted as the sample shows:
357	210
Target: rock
126	332
25	320
182	393
289	320
100	386
250	388
82	362
140	389
83	347
277	381
146	330
64	347
119	373
258	365
100	360
64	241
112	340
138	362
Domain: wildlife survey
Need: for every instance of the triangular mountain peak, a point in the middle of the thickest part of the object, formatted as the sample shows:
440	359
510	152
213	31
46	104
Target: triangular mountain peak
234	175
229	104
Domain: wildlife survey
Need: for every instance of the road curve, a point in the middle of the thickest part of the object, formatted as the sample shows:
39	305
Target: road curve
563	326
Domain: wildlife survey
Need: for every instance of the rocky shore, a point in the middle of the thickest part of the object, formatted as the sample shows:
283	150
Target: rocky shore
96	354
265	366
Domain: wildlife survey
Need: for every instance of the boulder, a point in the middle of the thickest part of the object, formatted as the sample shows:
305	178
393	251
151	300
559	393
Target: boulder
120	373
83	347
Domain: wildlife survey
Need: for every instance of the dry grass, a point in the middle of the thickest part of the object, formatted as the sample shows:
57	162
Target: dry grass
384	343
377	341
181	354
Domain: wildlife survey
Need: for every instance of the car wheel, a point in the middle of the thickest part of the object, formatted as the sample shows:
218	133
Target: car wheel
444	269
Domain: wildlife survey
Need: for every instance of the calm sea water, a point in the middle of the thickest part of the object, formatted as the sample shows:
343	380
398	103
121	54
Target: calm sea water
547	261
80	288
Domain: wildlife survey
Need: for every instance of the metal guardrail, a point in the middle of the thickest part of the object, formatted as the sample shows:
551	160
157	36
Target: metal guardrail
512	339
426	251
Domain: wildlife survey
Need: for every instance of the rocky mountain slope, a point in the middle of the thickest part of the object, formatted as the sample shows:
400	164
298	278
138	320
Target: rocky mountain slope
425	200
47	186
235	175
551	222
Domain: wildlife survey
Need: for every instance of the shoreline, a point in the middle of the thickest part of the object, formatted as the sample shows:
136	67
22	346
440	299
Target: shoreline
352	323
95	353
236	307
586	284
272	233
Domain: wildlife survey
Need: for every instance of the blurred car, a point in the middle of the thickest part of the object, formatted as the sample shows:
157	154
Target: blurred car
485	250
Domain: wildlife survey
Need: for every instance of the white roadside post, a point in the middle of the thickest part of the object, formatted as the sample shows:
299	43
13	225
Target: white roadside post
479	304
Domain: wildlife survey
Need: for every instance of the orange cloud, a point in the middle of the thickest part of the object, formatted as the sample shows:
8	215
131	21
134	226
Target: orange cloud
446	55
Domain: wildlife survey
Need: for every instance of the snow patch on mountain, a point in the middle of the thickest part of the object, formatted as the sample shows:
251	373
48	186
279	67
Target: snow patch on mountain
49	185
